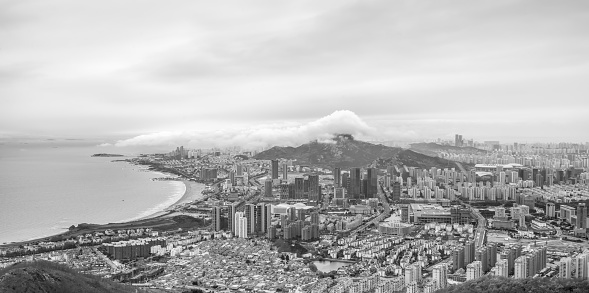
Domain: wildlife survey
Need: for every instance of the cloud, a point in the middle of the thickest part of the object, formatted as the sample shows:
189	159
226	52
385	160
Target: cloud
105	144
323	129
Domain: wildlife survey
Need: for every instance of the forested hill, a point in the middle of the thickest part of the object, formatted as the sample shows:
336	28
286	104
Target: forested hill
510	285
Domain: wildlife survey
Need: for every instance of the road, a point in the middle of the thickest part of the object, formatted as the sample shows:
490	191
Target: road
481	230
379	217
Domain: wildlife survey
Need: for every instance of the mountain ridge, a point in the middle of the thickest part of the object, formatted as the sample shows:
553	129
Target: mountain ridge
345	152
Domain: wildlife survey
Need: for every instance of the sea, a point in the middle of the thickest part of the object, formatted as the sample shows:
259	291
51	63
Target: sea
46	189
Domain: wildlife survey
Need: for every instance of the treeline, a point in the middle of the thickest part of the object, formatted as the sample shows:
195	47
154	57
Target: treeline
509	285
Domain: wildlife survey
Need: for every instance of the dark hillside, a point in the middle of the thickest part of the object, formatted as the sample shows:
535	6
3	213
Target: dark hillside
44	276
509	285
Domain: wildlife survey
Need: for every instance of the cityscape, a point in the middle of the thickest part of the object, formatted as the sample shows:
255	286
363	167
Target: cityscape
334	146
511	210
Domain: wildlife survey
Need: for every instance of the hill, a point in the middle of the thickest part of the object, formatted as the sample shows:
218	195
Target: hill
345	152
44	276
509	285
432	149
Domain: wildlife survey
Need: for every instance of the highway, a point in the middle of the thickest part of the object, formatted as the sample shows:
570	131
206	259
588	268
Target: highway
378	218
479	238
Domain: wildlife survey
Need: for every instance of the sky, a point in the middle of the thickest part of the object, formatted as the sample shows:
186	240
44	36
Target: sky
219	73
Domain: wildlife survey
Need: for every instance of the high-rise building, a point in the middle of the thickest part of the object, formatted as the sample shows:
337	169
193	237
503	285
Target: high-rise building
412	273
469	250
239	170
502	268
521	267
354	189
284	171
299	188
565	268
581	216
580	265
216	218
314	188
550	210
440	276
315	218
474	270
266	218
396	191
274	168
231	218
458	141
252	215
240	225
372	182
268	188
458	259
337	177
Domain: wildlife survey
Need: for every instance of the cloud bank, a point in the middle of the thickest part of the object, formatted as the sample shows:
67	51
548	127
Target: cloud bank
323	129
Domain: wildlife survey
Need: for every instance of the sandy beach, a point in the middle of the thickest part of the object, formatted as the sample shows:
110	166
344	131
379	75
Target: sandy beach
192	192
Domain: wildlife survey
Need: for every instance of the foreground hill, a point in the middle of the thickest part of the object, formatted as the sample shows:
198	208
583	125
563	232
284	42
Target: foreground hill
432	149
344	151
43	276
509	285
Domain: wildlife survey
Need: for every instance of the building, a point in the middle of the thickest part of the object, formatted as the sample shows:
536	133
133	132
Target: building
216	218
550	210
474	270
240	225
521	267
565	268
268	188
231	218
394	228
371	182
412	273
355	183
284	171
252	214
396	191
274	169
440	276
337	177
299	188
581	216
314	188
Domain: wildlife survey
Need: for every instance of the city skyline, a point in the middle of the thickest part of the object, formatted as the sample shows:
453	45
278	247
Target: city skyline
507	71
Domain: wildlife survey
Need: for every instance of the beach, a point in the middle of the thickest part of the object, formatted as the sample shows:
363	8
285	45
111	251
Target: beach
192	192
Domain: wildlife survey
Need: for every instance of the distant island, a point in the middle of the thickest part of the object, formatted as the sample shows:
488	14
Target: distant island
107	155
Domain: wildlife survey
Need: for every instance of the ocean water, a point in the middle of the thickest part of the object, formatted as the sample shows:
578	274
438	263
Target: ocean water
45	189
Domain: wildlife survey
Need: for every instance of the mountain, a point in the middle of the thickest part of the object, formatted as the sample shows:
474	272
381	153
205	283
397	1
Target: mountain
44	276
510	285
345	152
432	149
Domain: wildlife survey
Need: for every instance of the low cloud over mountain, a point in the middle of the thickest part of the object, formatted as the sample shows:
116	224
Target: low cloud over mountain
323	129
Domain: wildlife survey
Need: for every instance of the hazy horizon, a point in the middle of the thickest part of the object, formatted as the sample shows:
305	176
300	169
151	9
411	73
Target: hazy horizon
260	73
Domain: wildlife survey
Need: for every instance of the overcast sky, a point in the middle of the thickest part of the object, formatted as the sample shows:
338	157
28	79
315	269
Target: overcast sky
150	72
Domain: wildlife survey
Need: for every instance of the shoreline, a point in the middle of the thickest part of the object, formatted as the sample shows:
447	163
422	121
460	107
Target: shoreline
192	192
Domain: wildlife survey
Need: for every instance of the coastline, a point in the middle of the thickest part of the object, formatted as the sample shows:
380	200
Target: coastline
192	192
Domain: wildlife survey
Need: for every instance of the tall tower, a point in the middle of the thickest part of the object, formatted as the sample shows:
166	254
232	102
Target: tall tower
581	216
274	169
268	188
337	177
355	183
314	190
231	218
372	180
284	171
216	218
440	276
396	191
